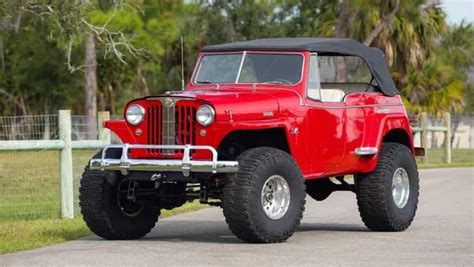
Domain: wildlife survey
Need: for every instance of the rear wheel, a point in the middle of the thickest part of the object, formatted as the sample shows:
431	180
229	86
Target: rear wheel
388	196
264	201
107	210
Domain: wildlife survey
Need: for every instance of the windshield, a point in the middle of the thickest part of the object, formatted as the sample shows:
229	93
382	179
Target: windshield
276	68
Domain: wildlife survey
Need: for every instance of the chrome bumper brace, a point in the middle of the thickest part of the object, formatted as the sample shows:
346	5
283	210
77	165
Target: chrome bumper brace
186	165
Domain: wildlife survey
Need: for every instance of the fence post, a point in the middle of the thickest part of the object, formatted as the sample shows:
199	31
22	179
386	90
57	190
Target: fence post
424	135
447	137
104	133
65	165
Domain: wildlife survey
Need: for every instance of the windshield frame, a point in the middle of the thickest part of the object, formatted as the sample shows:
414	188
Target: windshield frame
244	53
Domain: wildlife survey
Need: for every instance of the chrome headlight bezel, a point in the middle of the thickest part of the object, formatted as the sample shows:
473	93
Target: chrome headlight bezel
205	115
137	111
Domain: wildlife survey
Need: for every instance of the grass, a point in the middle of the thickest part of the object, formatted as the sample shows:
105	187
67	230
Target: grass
446	165
23	235
29	183
28	234
460	158
436	155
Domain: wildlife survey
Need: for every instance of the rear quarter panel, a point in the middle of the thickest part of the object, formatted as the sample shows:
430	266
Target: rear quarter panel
370	116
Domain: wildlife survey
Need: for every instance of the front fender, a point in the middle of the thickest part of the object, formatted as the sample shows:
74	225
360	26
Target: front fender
121	129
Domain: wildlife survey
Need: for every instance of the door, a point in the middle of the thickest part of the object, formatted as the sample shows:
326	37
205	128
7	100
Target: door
325	119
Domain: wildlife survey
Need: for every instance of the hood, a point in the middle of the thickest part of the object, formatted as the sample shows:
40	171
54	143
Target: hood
239	105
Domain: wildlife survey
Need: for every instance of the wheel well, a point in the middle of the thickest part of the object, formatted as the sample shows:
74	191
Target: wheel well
397	136
238	141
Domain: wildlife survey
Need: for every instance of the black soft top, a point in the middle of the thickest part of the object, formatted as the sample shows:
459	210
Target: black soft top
374	57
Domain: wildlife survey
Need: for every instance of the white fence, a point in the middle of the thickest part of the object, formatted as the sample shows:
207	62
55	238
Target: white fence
58	138
462	132
444	132
424	129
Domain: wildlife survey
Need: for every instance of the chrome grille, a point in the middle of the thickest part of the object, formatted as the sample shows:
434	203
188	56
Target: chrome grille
171	122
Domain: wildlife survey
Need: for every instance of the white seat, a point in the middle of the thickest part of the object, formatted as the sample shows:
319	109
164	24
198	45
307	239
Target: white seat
327	95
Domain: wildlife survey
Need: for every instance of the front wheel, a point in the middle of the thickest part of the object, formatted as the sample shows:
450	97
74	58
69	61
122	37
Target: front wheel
107	210
264	201
388	196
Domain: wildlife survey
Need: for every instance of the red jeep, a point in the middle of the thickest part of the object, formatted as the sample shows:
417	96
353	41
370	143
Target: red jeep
261	124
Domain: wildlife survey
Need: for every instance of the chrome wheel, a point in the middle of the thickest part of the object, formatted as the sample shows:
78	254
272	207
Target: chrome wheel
275	197
400	187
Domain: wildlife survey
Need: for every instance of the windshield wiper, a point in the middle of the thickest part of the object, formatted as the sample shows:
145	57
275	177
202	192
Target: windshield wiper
208	82
205	82
273	82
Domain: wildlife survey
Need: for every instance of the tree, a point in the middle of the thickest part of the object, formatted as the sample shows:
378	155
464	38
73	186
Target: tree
138	51
67	23
409	33
31	76
90	85
456	49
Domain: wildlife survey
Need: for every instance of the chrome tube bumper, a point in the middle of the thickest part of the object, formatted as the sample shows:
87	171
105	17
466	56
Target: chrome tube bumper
185	165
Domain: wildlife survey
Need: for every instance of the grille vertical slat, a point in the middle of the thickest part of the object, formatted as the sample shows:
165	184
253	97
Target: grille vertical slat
156	127
149	135
185	122
148	123
188	128
190	122
181	123
178	126
193	119
153	128
158	121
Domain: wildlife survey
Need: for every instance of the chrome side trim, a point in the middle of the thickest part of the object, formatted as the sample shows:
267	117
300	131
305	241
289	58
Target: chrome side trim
366	151
186	165
361	106
383	111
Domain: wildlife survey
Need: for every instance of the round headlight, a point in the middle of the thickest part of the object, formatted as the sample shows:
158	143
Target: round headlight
205	115
135	114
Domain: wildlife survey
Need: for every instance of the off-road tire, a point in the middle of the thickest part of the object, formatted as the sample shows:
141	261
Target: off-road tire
242	196
374	190
102	213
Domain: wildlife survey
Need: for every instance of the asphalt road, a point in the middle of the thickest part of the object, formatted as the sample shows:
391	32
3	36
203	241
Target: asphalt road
331	234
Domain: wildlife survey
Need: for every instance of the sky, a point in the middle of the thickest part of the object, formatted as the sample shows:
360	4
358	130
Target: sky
457	10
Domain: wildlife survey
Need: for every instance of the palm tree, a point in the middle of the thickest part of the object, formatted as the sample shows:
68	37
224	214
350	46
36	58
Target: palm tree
409	32
434	88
